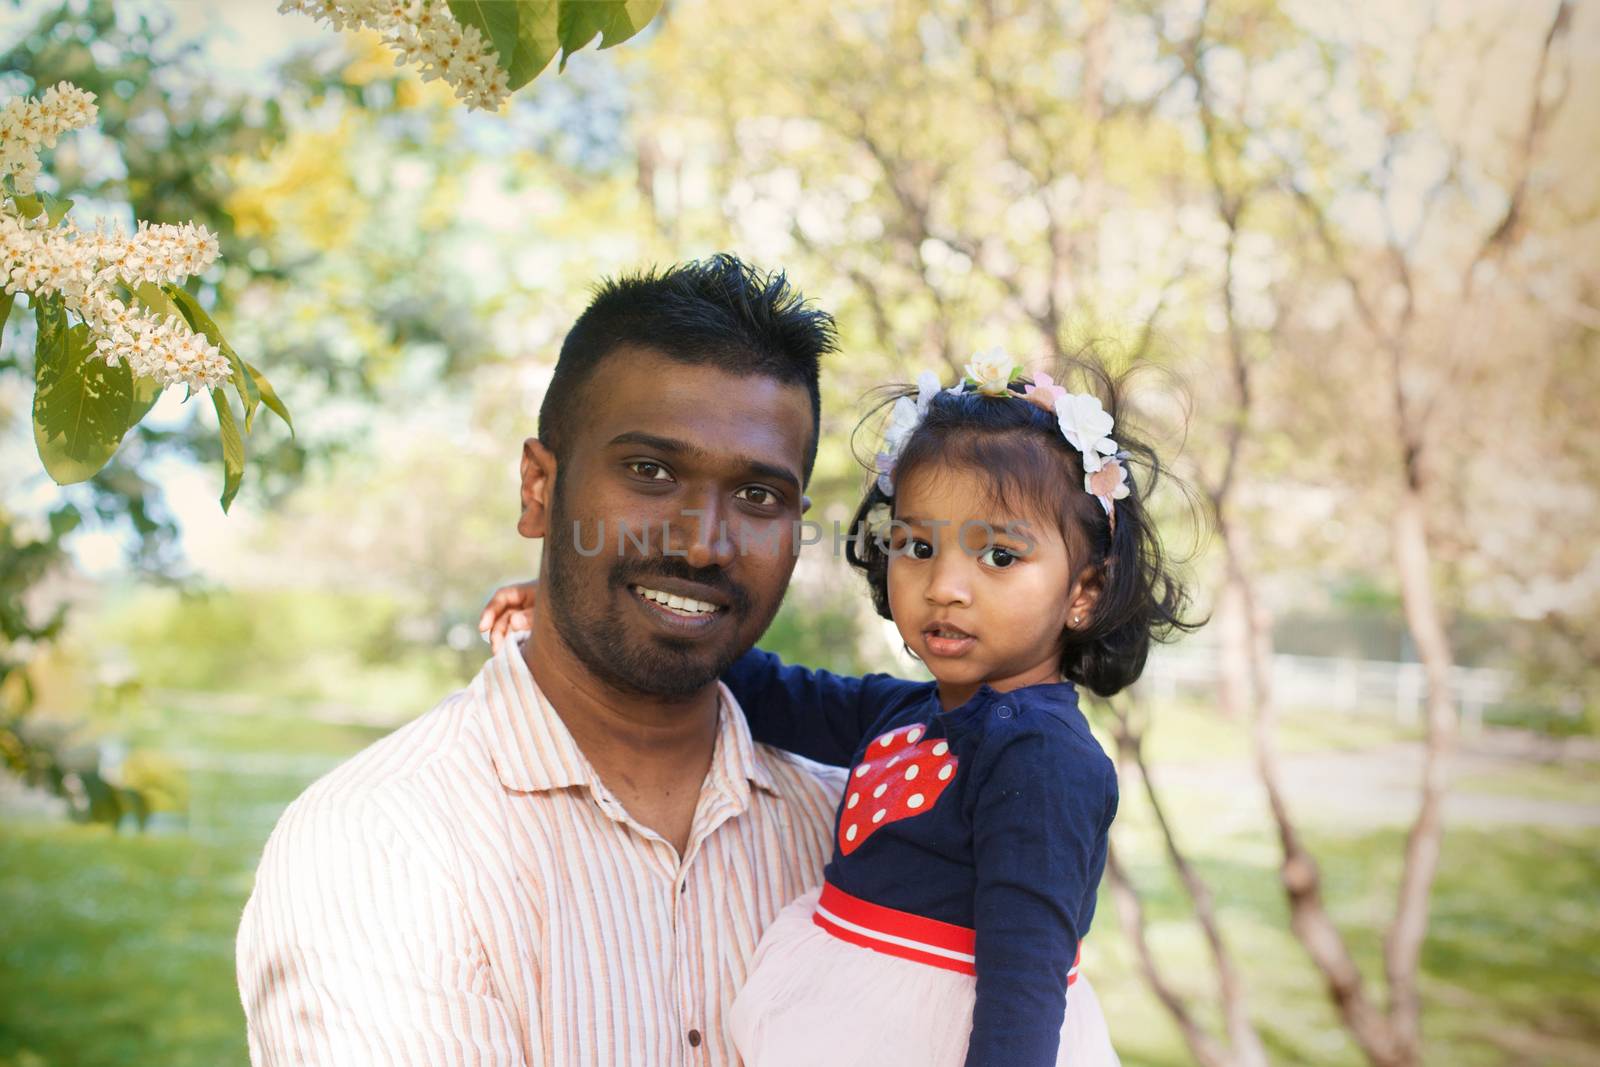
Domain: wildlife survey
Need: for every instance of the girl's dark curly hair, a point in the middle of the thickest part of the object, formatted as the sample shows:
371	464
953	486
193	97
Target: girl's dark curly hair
1033	471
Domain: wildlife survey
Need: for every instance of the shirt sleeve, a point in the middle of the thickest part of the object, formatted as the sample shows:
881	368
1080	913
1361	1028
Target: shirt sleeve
816	714
355	948
1040	827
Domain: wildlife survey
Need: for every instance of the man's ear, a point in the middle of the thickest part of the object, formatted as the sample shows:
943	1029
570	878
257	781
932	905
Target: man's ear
538	488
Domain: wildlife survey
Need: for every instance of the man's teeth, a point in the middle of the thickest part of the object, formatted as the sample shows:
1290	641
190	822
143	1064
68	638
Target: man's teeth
681	604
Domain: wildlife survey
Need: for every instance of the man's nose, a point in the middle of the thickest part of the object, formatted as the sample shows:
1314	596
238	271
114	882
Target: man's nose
703	533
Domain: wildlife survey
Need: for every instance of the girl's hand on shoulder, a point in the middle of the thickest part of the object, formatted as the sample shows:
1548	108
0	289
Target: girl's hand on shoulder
510	608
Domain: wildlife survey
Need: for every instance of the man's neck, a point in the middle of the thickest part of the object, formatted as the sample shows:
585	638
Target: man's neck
652	753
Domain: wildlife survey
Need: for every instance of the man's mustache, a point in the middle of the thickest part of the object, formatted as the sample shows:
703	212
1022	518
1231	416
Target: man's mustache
639	571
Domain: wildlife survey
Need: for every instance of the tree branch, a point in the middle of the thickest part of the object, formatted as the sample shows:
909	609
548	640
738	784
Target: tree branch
1130	911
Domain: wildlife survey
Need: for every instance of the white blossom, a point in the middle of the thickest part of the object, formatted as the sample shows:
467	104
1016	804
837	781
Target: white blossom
28	125
424	34
88	269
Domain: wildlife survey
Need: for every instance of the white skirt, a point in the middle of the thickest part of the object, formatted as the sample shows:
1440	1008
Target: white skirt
813	999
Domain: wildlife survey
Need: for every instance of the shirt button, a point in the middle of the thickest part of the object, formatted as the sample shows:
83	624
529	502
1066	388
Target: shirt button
694	1039
1004	711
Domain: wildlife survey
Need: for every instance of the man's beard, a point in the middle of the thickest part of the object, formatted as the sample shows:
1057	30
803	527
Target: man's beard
590	623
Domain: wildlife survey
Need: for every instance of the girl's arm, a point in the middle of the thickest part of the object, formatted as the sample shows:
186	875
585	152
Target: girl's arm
817	714
1040	825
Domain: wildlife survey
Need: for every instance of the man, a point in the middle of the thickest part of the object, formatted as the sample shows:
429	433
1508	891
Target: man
569	863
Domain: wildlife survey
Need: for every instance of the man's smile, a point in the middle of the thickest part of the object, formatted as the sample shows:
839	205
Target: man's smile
680	608
677	604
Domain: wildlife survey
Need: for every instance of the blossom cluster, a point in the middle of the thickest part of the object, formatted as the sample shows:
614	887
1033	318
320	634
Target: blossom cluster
84	269
427	36
88	270
28	124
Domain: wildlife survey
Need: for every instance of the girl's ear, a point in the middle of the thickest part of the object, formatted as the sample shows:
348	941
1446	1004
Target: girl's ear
1085	594
538	485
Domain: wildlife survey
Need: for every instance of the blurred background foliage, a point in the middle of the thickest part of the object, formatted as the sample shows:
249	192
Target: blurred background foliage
1355	252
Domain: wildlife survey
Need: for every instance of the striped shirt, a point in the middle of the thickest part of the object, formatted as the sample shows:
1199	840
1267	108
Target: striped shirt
467	891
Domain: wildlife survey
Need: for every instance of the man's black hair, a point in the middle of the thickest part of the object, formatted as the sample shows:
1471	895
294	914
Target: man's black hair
719	312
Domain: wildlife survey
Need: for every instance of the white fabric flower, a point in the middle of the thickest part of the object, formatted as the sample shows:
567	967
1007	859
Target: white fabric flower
903	421
1085	425
927	389
904	418
991	370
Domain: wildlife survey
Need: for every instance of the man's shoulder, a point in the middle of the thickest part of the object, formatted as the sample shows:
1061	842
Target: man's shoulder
390	781
795	777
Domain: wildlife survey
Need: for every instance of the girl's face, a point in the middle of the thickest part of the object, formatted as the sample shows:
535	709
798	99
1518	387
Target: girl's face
981	597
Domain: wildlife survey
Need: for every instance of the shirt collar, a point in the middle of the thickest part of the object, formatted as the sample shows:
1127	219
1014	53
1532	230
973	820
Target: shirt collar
535	752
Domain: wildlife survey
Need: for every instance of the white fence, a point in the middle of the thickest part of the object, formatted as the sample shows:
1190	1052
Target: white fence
1352	685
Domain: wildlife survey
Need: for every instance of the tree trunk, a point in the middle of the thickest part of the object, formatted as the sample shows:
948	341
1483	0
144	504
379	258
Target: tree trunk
1302	880
1130	911
1425	620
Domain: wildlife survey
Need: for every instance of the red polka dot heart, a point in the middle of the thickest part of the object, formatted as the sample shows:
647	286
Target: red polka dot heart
898	778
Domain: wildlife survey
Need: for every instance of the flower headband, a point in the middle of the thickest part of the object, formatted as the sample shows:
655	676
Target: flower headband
1084	423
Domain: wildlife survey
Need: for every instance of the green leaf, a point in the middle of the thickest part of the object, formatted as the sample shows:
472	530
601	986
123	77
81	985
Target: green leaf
232	448
152	297
146	391
55	209
201	323
613	20
64	520
81	407
29	206
6	300
269	396
524	33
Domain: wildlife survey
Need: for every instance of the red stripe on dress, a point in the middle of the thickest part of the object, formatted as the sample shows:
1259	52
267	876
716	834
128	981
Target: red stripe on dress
902	933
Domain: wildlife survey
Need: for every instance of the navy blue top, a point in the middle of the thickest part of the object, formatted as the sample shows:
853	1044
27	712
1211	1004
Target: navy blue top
1012	846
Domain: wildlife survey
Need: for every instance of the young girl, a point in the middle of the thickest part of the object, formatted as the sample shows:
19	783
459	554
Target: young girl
1004	539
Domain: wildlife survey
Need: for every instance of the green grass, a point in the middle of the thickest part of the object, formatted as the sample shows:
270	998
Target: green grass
118	949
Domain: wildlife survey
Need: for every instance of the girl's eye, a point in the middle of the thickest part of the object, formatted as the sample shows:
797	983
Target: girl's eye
998	557
645	468
921	549
759	495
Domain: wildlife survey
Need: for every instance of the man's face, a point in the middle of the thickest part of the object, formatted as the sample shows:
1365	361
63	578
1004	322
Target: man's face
681	483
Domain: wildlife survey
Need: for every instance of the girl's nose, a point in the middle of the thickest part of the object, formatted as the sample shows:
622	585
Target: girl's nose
949	583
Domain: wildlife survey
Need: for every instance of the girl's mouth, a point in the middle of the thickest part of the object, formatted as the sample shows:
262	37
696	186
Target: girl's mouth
946	639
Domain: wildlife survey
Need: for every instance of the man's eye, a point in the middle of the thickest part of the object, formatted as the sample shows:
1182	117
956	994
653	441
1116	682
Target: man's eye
759	495
644	468
998	557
